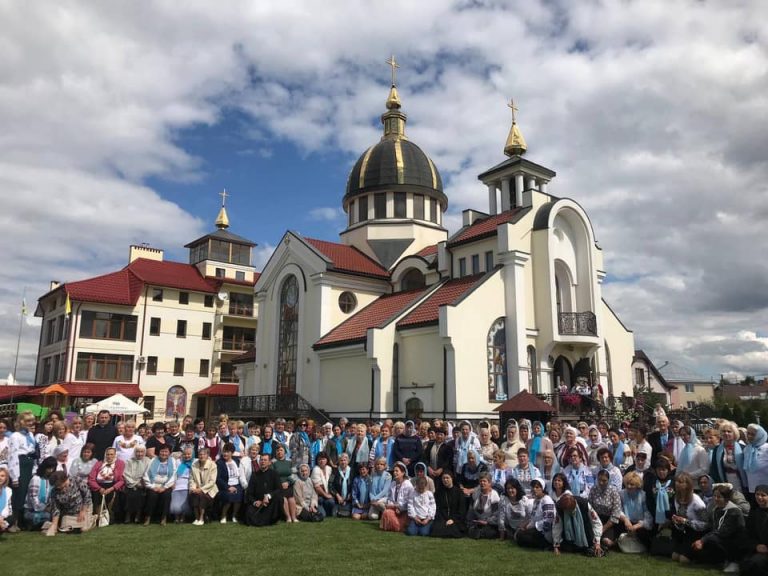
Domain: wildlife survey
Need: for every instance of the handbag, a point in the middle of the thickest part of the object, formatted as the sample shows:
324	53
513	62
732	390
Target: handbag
630	544
103	519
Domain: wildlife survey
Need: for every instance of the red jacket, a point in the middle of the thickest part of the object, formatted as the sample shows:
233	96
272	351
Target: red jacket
119	480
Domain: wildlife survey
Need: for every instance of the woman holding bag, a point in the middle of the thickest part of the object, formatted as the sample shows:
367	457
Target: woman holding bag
105	479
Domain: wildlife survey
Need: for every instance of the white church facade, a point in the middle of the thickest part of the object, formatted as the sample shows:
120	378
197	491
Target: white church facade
401	319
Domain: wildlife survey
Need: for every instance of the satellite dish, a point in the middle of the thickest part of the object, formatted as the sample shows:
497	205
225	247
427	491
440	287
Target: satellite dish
223	296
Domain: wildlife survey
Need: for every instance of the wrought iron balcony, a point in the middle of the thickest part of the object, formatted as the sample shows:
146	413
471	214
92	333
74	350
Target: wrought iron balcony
577	323
269	406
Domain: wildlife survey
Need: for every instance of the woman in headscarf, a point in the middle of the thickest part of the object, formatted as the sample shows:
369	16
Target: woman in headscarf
179	495
594	443
536	532
465	442
550	466
106	480
606	501
728	458
620	454
693	457
421	470
755	562
202	485
307	509
705	488
512	443
450	518
395	516
538	445
132	495
268	442
571	443
756	457
636	520
469	474
514	509
688	519
482	515
37	513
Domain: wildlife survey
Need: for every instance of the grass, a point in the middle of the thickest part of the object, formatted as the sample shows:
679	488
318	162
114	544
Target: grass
334	547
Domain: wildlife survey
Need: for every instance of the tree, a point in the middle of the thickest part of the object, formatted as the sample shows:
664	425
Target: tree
764	416
738	414
726	412
749	381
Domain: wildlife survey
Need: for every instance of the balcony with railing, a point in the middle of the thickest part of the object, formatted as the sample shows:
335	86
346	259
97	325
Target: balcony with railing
238	309
577	324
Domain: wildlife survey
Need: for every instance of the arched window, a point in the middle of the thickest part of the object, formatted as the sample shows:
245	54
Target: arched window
413	279
608	372
562	372
288	336
176	402
533	373
497	361
414	408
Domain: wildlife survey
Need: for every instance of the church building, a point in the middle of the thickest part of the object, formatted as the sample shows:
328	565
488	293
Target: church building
400	319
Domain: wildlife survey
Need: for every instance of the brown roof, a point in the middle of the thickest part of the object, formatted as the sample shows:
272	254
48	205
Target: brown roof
486	227
245	357
378	313
219	390
524	402
428	312
427	251
345	258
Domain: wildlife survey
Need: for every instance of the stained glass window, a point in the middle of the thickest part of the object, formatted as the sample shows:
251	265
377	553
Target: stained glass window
497	361
288	336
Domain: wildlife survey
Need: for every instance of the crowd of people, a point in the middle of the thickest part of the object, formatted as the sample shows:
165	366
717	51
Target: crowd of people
586	488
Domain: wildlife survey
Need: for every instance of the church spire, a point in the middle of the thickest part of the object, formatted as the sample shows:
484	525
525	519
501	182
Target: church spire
515	145
222	220
393	119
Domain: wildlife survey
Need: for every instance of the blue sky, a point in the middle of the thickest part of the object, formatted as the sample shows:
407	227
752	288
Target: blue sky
123	121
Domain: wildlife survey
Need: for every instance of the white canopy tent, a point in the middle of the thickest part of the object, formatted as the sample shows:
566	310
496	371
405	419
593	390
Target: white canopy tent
117	404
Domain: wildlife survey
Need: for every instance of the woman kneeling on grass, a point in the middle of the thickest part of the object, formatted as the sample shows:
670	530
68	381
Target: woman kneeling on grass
483	513
536	532
577	527
395	516
306	498
721	544
70	504
36	511
450	509
421	510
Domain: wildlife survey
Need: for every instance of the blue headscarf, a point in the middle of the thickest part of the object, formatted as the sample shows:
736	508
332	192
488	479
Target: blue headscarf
686	456
662	500
535	448
751	450
618	453
633	505
738	457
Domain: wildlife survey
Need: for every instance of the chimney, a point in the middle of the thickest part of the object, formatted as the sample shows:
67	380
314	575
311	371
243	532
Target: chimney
54	284
144	251
470	216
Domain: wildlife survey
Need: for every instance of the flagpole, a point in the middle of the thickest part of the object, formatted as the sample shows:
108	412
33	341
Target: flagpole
21	327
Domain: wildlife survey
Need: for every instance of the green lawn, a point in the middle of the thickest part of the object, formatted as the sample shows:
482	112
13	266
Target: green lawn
335	547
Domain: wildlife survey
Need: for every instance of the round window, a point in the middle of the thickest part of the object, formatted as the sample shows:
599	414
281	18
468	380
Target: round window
347	302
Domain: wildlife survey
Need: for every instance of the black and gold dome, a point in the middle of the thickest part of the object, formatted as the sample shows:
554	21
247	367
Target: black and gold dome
395	163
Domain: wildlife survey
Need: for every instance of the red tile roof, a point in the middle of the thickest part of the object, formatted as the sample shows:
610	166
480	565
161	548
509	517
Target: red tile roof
349	259
485	227
428	312
170	274
124	286
219	390
377	313
428	251
17	392
102	389
121	287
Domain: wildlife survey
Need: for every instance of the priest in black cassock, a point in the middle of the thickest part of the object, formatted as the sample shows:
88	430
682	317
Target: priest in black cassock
262	498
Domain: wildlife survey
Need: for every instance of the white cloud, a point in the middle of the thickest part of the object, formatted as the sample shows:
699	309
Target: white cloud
650	117
326	214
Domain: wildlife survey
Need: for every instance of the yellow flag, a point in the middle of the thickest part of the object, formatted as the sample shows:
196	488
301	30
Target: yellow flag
68	306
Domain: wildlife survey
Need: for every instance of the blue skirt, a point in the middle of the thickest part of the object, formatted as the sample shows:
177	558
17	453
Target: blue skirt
228	497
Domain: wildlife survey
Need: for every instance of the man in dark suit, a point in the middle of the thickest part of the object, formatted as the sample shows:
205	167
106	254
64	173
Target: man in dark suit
662	440
103	435
438	455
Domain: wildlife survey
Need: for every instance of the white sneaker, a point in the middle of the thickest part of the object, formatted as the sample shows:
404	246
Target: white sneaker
731	568
234	520
197	523
223	520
